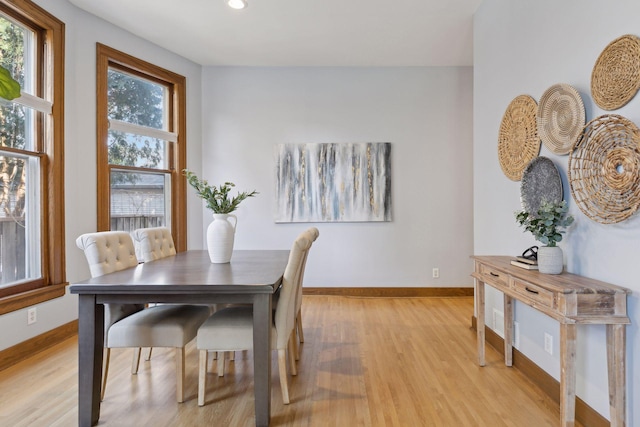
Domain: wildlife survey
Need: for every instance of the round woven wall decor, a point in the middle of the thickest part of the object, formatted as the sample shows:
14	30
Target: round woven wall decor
604	169
560	118
518	141
615	78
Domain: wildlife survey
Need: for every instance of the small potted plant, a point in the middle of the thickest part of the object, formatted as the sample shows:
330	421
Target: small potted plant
221	232
547	227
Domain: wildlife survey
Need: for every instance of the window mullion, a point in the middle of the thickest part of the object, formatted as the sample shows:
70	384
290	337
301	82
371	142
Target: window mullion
120	126
35	102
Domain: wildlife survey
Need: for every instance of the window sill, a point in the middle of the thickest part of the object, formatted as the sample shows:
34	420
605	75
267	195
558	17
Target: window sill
29	298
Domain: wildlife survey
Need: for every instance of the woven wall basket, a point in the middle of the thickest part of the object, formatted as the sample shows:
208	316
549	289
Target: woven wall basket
518	141
560	118
604	169
615	78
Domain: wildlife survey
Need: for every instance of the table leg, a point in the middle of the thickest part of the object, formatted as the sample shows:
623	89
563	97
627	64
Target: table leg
616	351
90	346
508	330
480	320
568	334
262	321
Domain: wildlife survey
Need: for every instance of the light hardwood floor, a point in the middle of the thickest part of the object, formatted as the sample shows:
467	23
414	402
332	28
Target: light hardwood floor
365	362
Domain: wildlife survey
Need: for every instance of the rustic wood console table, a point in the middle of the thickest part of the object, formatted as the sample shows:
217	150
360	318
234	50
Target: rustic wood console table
571	300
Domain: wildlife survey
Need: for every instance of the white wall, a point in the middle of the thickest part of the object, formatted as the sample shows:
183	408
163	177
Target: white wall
523	48
82	32
424	112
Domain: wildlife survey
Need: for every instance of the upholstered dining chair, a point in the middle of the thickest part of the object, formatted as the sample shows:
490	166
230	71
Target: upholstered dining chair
131	325
312	234
153	243
231	328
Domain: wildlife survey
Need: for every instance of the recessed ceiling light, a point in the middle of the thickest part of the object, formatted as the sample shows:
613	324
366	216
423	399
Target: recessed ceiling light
237	4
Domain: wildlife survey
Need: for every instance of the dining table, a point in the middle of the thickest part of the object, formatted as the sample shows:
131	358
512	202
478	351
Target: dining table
252	277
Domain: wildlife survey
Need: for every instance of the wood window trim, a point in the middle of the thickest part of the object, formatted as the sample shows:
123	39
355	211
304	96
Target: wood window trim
53	236
106	57
33	297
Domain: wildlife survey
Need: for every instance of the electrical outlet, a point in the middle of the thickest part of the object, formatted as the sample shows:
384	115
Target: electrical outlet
436	273
32	316
548	343
516	334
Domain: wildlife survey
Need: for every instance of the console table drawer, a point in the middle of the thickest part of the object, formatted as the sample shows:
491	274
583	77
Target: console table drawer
494	277
534	292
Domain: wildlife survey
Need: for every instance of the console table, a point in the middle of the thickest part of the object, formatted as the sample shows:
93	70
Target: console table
571	300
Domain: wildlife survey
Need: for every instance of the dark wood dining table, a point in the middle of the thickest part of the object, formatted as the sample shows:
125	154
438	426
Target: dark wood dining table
252	277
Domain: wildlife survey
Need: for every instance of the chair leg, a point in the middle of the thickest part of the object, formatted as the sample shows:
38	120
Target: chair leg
282	367
299	326
135	363
232	355
221	363
149	354
294	348
202	376
180	374
292	358
105	372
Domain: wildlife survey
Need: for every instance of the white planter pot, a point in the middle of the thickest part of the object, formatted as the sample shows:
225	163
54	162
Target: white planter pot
220	236
550	260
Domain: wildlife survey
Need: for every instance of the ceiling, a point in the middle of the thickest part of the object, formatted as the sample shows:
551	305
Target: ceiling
301	32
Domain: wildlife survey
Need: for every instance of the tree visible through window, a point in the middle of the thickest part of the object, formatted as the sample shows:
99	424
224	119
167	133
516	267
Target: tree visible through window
136	101
138	200
30	139
16	165
140	144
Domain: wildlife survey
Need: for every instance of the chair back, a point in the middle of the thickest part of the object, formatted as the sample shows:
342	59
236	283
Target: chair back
312	234
285	313
106	252
153	243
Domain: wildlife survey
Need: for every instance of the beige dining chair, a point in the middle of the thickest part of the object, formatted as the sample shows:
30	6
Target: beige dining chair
153	243
130	325
312	234
231	328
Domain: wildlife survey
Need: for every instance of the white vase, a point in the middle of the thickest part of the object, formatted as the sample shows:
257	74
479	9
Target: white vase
220	236
550	260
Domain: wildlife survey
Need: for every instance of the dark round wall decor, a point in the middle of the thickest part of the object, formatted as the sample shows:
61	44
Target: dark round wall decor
540	183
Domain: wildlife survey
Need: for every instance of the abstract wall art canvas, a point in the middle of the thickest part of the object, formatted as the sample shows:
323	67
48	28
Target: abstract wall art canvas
336	182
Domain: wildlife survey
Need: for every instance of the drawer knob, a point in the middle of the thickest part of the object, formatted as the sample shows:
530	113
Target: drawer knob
532	291
494	274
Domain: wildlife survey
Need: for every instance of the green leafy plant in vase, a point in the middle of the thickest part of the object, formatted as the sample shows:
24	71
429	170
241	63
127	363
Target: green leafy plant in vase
221	232
547	227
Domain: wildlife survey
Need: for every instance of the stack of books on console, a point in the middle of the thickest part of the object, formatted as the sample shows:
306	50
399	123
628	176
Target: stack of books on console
528	264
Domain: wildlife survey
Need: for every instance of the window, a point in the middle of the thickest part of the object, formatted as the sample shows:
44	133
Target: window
141	145
31	158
